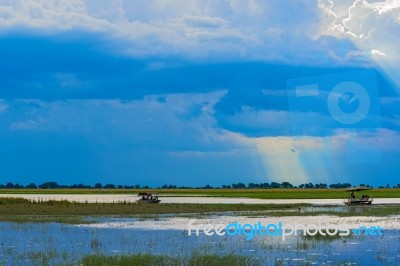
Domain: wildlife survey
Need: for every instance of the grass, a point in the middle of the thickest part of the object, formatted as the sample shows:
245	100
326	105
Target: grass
139	259
64	219
20	210
150	260
374	210
247	193
384	210
24	210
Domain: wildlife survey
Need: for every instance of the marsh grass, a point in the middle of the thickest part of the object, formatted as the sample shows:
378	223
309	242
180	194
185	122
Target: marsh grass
41	257
18	209
64	219
374	210
323	238
63	211
139	259
155	260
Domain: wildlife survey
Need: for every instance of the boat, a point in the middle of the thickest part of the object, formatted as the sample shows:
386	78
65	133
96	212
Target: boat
148	198
353	200
148	201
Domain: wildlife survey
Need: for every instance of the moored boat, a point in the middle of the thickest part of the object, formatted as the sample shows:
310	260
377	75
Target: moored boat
353	200
148	198
148	201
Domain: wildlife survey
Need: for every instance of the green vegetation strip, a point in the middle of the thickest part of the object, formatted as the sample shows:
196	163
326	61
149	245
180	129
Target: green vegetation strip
150	260
24	210
374	210
279	193
19	209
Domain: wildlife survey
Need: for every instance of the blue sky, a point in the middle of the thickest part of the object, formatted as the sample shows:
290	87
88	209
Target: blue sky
199	92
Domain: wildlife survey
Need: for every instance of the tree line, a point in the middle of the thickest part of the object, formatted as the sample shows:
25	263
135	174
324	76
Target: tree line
55	185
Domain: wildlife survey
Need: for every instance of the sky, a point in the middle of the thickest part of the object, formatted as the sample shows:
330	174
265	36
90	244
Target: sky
196	92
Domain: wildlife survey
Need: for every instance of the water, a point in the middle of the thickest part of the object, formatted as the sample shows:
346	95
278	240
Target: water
51	243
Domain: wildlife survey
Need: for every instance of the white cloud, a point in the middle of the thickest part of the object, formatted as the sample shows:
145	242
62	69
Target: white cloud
381	139
204	21
376	52
251	30
50	15
373	27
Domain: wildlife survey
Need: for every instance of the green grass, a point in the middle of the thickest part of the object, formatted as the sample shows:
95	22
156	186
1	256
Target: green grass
383	210
63	219
19	210
24	210
247	193
150	260
372	210
139	259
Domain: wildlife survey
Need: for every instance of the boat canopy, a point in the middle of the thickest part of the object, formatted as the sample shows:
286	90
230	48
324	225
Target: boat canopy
357	189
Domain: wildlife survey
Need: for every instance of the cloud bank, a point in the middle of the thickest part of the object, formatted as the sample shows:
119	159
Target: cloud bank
201	89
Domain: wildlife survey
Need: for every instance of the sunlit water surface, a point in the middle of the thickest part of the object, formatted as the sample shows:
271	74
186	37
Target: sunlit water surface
52	243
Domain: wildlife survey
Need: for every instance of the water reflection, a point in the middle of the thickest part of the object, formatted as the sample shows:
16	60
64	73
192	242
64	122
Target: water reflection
34	243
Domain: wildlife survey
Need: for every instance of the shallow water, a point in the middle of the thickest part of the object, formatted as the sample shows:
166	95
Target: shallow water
32	243
354	210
